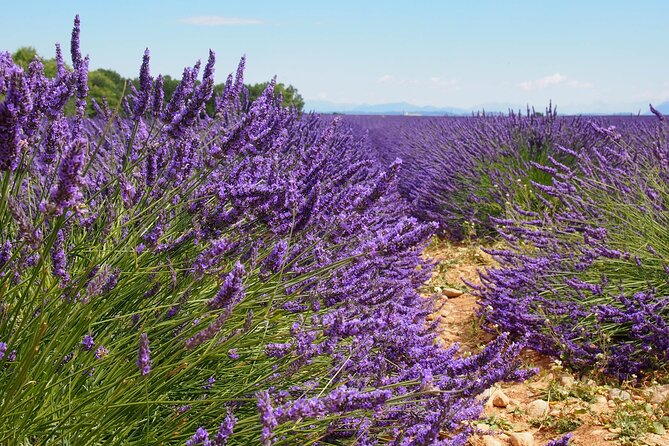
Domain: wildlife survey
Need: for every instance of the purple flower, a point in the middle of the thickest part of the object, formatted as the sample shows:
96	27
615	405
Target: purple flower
67	192
144	355
88	343
201	436
225	430
101	352
3	349
232	290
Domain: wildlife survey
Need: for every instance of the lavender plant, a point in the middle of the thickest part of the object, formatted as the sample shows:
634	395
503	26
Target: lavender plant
168	278
586	278
460	172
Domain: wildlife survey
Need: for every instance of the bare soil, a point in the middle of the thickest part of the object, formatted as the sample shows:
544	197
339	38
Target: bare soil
581	405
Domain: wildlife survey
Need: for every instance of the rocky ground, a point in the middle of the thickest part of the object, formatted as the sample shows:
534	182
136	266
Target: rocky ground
597	412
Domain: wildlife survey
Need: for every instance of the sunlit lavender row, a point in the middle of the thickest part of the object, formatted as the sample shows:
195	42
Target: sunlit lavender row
167	277
577	207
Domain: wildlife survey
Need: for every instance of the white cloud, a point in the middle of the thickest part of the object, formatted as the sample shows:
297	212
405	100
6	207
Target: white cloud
552	80
217	20
385	79
441	82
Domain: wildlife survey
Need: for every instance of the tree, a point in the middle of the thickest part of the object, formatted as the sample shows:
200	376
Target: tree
291	98
26	54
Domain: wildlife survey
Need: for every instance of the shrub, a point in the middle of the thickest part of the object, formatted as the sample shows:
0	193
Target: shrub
460	172
166	277
586	278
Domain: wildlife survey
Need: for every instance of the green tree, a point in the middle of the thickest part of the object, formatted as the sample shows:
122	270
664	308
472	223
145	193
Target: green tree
106	84
25	55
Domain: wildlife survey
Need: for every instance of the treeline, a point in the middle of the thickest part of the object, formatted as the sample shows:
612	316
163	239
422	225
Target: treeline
108	84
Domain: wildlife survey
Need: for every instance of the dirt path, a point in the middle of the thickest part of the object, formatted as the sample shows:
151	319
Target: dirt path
554	401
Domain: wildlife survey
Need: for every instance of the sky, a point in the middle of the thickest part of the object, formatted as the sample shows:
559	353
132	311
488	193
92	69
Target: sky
585	56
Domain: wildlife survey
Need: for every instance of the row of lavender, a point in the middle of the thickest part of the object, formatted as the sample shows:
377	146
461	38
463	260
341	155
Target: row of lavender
582	205
166	277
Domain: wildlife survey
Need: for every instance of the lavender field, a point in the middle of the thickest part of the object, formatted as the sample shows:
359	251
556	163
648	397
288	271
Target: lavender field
254	275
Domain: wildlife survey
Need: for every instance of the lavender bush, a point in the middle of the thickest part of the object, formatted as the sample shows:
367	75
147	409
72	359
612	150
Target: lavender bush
586	278
171	278
460	172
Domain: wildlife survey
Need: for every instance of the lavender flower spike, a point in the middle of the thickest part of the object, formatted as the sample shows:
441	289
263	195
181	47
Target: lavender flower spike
201	436
144	355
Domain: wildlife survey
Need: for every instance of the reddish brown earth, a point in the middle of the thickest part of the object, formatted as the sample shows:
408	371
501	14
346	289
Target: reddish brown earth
583	406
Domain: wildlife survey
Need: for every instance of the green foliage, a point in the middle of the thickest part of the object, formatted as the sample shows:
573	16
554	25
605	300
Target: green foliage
556	392
291	98
106	84
633	421
24	55
560	424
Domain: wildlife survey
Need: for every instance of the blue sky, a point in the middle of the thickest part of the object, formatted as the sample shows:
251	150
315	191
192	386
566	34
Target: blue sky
587	56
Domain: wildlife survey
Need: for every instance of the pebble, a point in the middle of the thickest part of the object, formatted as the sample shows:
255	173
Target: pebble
537	409
451	292
521	438
489	440
656	440
659	394
601	404
499	399
618	394
567	381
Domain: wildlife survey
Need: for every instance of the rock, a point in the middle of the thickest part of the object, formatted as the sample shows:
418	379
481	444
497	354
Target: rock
618	394
451	292
600	405
554	413
499	399
656	440
489	440
659	394
486	394
537	409
430	317
567	381
521	438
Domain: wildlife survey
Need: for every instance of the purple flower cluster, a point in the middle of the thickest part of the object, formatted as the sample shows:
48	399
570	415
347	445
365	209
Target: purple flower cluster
585	278
257	242
460	171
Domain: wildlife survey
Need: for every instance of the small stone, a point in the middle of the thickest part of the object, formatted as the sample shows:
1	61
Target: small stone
430	317
499	399
600	405
489	440
537	409
521	438
567	381
656	440
554	413
486	394
659	394
618	394
451	292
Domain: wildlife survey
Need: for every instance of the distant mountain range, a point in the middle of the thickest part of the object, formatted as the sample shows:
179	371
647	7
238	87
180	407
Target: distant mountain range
404	108
395	108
